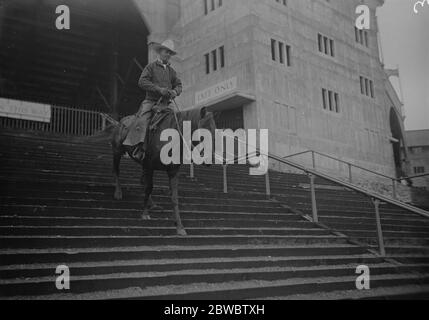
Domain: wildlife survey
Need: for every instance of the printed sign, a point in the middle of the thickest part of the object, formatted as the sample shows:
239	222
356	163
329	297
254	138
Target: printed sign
216	91
25	110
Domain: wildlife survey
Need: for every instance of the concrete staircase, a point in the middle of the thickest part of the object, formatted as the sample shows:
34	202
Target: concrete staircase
57	208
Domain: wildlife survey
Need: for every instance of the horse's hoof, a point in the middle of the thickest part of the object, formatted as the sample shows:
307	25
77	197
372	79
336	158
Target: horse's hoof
181	232
118	195
145	217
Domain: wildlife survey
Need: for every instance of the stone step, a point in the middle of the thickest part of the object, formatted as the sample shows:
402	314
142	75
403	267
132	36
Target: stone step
356	219
100	231
394	240
28	271
154	222
362	225
125	204
71	198
247	289
126	241
145	280
405	292
386	233
102	254
54	211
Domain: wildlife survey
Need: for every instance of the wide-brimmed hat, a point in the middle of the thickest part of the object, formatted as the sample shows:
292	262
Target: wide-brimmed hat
167	44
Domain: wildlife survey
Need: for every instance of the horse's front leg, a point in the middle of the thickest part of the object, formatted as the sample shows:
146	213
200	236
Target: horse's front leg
147	179
117	155
174	188
152	204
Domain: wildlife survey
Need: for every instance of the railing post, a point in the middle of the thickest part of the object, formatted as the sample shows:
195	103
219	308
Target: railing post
103	123
191	171
313	157
379	229
394	189
225	182
267	185
350	173
313	198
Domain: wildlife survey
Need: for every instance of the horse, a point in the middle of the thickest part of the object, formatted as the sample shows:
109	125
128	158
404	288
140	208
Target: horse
199	118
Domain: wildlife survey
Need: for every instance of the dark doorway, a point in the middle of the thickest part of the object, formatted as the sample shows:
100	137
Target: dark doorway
91	66
230	119
397	134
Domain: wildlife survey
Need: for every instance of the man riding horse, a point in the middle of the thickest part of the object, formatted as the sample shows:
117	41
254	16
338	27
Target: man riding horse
161	83
133	135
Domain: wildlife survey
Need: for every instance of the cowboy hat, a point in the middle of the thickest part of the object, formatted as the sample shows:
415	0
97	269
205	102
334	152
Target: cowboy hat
167	44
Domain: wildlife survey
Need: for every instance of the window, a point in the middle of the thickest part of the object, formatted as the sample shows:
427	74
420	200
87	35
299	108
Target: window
362	37
284	2
419	170
288	56
326	45
215	59
337	103
330	100
206	7
281	52
273	49
324	95
320	42
211	5
207	63
367	87
222	56
371	87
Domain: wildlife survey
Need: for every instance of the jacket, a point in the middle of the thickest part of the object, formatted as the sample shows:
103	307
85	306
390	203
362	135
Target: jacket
155	76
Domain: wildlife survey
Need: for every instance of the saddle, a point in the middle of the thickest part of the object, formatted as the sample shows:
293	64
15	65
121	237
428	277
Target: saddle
159	115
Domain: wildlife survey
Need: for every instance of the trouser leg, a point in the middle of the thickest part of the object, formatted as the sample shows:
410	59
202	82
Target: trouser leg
137	131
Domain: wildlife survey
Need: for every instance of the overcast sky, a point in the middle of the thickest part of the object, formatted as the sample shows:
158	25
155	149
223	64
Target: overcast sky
405	43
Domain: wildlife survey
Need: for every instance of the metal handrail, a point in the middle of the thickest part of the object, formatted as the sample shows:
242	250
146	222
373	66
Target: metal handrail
350	166
358	189
342	161
416	176
356	166
376	198
345	184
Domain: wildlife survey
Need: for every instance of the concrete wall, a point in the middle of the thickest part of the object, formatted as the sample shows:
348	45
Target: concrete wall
288	99
418	147
360	132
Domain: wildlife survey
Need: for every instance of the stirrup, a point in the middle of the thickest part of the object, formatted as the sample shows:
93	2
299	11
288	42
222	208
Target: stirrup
138	153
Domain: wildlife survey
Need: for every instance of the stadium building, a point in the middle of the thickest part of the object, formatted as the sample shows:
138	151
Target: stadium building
298	68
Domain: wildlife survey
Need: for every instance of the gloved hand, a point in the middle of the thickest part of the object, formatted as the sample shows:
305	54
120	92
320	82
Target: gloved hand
172	94
164	92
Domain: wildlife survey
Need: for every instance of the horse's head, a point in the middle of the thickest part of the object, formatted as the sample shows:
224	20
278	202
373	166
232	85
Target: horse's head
207	122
